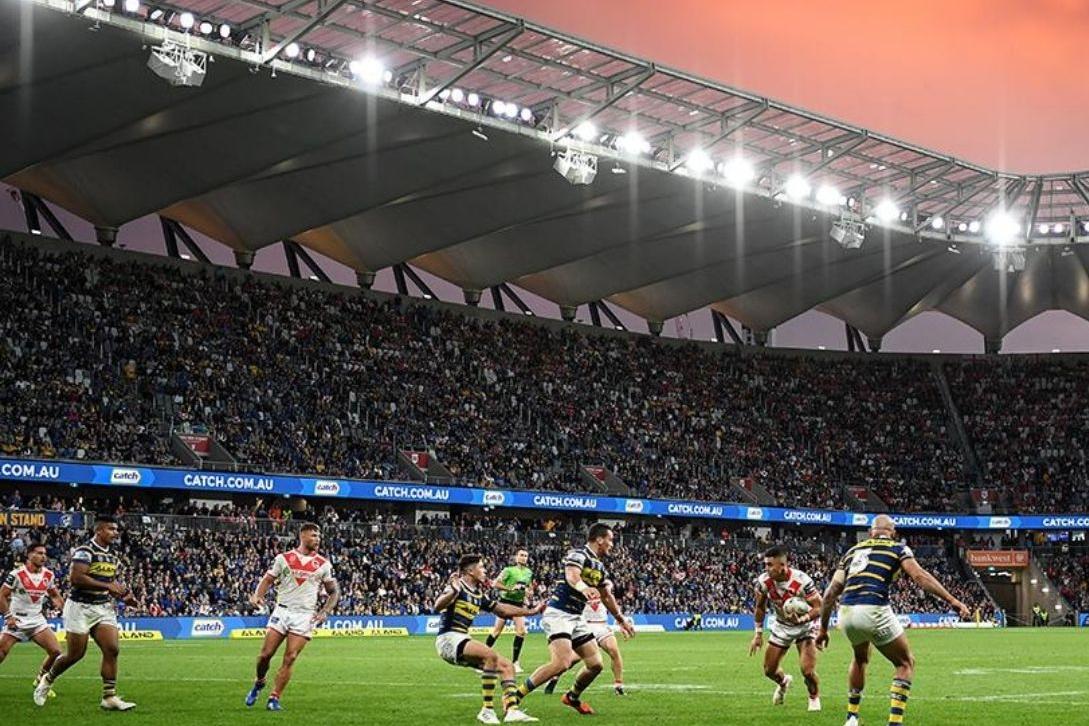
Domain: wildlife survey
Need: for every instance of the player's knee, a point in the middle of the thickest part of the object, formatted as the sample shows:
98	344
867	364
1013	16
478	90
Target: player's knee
770	671
809	673
290	657
110	651
493	661
594	666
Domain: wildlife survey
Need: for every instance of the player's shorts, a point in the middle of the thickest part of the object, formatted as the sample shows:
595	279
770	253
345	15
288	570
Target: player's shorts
81	618
25	628
875	624
293	622
784	635
451	645
557	624
601	631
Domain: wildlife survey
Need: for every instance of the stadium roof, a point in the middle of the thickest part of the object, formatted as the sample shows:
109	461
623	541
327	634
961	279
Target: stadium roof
282	142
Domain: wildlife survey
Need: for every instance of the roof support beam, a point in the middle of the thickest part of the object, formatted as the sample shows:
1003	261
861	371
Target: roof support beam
1034	208
611	315
731	123
722	323
480	57
399	279
301	253
188	241
612	95
515	298
497	298
418	282
39	204
323	14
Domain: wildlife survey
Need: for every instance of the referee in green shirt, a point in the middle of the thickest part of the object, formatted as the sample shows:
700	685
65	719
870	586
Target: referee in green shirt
513	583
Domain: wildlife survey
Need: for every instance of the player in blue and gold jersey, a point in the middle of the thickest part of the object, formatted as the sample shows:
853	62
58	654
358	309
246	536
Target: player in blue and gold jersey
458	605
89	613
864	578
570	638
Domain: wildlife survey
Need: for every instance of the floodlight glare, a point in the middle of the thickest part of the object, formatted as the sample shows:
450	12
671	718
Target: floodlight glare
886	210
738	171
131	6
973	226
1044	227
633	143
457	95
187	20
311	54
1058	228
473	99
368	70
936	222
224	31
292	50
499	107
962	227
586	131
828	195
699	162
511	110
797	187
109	3
1001	228
206	28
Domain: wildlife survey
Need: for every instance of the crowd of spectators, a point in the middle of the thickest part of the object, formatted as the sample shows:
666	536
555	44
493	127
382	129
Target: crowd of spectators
106	354
1029	424
388	565
1069	570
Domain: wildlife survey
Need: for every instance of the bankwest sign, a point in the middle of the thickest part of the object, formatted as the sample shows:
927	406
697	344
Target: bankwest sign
998	558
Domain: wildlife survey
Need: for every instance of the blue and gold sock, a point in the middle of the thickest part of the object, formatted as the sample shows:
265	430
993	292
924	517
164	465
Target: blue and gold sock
854	702
898	698
488	679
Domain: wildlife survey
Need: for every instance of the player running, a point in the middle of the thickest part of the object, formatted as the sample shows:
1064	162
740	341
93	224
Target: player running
297	576
570	638
460	602
596	617
21	599
513	583
864	577
90	612
778	584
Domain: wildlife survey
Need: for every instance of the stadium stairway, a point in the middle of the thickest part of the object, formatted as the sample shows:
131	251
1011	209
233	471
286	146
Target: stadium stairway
957	422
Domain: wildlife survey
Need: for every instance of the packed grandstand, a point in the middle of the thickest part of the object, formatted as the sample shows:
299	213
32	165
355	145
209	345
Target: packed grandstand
114	351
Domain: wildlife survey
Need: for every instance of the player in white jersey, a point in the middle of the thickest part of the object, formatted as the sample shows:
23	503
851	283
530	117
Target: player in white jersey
298	576
596	616
778	584
22	595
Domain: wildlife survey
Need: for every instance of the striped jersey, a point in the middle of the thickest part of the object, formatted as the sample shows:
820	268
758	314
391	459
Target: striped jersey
102	565
568	599
872	566
459	615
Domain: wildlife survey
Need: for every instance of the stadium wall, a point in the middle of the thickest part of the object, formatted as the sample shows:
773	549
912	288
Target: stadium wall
127	476
247	628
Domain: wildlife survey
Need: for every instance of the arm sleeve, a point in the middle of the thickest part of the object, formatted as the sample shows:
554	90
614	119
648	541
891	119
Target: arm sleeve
906	553
328	576
809	587
81	554
9	580
575	558
276	567
488	603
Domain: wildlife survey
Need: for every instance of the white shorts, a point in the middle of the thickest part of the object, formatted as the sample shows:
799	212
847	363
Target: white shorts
784	635
293	622
875	624
26	628
557	624
601	631
450	645
81	618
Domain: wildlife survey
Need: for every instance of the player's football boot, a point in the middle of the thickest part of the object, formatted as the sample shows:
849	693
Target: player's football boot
113	703
550	687
851	721
273	705
41	692
518	667
581	706
618	689
52	693
815	704
517	715
779	696
251	697
487	715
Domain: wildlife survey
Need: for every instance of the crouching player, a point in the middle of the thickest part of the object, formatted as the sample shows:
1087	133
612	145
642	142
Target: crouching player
21	599
458	605
778	584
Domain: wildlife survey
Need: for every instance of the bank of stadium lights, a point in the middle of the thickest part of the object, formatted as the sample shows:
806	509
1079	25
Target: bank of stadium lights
187	20
886	211
829	196
292	50
586	131
936	222
370	71
132	6
738	171
633	143
699	162
797	187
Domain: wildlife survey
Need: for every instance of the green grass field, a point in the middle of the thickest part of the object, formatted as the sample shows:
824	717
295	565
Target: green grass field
1007	677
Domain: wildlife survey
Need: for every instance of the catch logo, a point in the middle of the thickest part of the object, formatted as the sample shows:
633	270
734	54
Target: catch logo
860	520
433	625
326	487
633	506
124	476
207	628
1000	523
755	513
494	499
